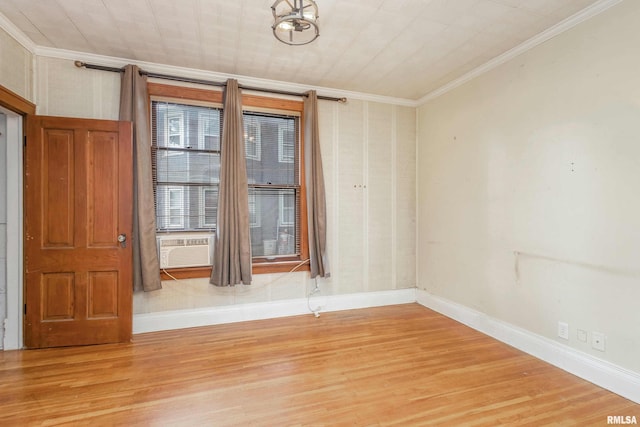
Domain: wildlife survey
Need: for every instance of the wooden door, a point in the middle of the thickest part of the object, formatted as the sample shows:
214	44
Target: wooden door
78	200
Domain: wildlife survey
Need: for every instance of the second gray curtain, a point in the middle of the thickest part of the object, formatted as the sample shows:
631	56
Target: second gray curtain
134	107
316	202
232	247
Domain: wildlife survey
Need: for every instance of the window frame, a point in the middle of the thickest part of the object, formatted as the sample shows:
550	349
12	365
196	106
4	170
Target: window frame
189	188
185	94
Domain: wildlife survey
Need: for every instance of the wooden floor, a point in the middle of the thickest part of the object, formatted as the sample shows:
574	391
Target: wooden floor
399	365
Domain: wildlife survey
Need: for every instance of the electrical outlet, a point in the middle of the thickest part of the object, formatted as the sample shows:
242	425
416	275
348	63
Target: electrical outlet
563	330
582	335
598	341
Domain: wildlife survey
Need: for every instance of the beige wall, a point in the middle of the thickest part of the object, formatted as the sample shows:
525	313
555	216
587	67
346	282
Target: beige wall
529	184
368	151
15	66
68	91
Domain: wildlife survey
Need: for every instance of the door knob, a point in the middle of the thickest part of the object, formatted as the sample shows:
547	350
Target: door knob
122	239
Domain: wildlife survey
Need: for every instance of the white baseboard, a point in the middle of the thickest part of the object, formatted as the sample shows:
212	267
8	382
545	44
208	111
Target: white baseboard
178	319
600	372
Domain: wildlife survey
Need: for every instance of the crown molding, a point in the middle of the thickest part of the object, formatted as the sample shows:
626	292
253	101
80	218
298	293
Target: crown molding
16	33
565	25
111	61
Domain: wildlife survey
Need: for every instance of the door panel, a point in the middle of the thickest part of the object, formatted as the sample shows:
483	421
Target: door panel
58	188
102	212
78	199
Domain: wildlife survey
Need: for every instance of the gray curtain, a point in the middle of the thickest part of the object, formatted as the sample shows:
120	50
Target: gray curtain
232	248
134	107
316	202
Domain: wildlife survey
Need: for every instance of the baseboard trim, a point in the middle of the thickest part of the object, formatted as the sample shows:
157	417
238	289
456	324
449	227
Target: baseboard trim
600	372
179	319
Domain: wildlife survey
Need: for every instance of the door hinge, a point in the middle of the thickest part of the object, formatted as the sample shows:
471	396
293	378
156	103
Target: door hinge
25	309
25	140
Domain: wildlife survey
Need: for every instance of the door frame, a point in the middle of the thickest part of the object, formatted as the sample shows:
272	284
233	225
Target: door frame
15	108
13	334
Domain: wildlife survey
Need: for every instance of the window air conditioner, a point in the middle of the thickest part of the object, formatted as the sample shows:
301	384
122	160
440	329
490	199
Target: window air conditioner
176	251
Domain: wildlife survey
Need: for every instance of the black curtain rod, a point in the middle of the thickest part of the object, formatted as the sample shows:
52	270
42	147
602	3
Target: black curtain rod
81	64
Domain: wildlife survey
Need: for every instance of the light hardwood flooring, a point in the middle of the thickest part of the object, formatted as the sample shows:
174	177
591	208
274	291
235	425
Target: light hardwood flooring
400	365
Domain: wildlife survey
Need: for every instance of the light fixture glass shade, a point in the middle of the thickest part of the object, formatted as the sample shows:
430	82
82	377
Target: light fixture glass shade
295	23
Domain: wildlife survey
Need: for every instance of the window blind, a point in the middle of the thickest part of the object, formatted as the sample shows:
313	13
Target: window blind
186	159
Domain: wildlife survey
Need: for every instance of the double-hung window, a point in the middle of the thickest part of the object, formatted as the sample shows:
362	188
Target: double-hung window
274	185
186	160
186	135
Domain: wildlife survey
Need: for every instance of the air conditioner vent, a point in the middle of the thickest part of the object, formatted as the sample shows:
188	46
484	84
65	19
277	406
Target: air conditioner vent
185	251
167	241
198	242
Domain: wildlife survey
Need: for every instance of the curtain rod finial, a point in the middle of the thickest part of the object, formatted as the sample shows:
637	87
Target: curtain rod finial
79	64
342	100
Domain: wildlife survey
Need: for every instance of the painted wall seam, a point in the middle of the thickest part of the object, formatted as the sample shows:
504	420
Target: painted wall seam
335	269
394	197
365	194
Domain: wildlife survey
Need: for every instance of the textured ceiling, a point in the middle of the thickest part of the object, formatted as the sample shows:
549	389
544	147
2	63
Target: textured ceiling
399	48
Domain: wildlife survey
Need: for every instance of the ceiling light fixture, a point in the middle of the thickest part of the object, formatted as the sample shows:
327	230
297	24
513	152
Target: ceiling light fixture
297	23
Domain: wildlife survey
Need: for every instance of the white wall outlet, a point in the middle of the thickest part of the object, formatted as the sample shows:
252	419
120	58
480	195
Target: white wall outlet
598	341
582	335
563	330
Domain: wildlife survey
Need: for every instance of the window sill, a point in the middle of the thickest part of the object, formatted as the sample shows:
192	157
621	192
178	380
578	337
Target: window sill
259	267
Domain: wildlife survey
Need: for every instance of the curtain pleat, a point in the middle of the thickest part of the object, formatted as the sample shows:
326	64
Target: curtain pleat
316	201
232	245
134	107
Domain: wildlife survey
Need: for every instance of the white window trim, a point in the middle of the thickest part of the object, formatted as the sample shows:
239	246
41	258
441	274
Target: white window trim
257	143
281	156
202	119
172	115
202	216
168	208
281	209
255	202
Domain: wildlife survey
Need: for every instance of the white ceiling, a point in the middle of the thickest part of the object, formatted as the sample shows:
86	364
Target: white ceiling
398	48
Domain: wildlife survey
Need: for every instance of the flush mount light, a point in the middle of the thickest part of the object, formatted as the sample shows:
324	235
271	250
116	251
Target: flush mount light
295	23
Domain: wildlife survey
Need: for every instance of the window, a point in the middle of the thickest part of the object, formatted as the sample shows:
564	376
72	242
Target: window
252	141
187	130
287	211
286	144
274	185
208	131
174	207
209	206
254	218
186	160
175	130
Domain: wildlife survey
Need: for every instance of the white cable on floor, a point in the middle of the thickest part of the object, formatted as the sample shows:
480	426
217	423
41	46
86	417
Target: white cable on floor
315	290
